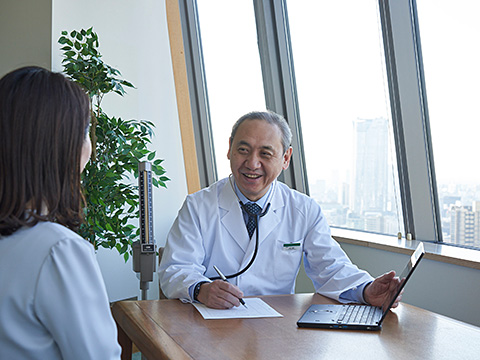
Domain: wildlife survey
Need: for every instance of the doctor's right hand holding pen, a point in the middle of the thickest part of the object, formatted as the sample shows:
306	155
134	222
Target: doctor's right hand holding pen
220	294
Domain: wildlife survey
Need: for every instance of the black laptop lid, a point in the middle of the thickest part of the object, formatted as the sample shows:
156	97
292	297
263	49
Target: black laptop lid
404	276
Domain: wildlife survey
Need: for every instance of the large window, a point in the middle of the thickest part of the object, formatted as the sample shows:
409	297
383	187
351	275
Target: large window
345	113
450	34
352	79
232	68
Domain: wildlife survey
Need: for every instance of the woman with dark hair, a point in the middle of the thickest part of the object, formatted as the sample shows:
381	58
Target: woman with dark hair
53	302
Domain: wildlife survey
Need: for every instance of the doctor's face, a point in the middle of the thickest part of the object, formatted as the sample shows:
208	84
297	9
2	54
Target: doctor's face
256	157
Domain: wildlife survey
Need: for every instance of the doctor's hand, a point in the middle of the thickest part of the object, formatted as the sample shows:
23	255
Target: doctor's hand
381	289
219	294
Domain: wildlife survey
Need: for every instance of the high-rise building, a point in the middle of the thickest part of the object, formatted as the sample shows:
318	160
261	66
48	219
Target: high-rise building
465	225
374	222
370	178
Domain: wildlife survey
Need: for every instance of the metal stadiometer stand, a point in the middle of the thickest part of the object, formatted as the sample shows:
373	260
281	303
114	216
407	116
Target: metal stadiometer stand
144	250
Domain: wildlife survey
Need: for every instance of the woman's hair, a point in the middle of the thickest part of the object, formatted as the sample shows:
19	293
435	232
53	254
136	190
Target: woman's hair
43	121
273	119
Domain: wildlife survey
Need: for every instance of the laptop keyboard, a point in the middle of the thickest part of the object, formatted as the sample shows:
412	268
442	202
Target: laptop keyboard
357	314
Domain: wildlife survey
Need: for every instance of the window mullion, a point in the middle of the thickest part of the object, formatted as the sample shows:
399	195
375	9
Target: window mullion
198	92
410	123
279	80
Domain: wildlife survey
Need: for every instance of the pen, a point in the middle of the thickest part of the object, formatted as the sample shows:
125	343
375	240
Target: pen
225	279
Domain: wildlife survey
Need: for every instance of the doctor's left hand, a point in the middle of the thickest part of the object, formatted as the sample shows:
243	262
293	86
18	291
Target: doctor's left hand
382	289
219	294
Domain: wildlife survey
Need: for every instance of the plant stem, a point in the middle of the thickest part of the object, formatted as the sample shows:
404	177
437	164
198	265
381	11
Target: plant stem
93	127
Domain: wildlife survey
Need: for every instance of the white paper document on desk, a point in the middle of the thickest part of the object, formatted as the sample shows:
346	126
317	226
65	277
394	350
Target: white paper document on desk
256	308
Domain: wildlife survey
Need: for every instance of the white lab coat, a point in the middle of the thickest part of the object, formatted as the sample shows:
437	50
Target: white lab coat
210	230
53	301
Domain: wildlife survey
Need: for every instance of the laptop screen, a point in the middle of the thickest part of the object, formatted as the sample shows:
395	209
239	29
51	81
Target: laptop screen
404	276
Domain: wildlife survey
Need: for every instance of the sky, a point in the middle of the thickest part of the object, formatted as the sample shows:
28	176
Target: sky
451	55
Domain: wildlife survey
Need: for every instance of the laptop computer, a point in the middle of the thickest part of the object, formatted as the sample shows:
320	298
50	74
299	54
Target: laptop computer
358	317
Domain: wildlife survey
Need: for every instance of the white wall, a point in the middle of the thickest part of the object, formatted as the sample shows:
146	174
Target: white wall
134	39
25	34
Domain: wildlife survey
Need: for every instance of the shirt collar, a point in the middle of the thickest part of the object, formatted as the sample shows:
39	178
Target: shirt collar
262	202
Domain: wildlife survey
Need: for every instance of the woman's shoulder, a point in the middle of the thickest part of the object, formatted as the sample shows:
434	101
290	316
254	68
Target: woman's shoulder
55	231
45	235
32	247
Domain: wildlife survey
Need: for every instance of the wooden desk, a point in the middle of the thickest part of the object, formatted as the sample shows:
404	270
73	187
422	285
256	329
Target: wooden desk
169	329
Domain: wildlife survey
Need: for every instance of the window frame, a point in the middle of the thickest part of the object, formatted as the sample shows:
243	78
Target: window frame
411	126
207	168
407	98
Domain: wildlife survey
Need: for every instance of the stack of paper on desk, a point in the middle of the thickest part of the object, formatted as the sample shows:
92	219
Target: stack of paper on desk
256	308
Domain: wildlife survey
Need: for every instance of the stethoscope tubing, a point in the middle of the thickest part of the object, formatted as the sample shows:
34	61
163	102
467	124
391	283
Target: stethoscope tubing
257	219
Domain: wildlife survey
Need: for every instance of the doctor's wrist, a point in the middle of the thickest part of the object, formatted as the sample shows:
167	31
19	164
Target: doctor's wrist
196	290
365	295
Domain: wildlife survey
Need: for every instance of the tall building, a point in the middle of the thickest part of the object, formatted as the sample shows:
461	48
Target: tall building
465	225
370	178
374	222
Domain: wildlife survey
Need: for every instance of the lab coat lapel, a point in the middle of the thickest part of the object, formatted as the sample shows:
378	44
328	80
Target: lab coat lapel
232	220
271	220
267	224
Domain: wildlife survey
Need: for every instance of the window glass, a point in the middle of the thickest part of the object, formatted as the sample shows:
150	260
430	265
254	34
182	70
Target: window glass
450	38
232	68
345	113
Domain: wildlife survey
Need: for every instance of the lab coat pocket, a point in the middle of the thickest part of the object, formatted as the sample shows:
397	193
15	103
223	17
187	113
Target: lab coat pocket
288	256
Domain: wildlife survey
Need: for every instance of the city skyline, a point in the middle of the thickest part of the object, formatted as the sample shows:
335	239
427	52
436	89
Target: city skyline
367	202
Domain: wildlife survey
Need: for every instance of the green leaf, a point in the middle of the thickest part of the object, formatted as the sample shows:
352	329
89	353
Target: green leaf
112	201
70	53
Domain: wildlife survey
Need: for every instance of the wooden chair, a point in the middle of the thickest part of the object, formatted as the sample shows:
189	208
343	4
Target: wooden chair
160	254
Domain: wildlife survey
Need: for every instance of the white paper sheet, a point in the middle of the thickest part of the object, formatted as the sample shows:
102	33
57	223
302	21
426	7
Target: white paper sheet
256	308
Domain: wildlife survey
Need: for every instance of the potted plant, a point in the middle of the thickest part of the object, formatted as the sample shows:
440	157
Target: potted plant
117	147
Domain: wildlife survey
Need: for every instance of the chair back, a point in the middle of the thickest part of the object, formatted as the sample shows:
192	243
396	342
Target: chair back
160	254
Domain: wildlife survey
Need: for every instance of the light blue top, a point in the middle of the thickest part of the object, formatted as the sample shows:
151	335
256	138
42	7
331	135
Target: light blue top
53	301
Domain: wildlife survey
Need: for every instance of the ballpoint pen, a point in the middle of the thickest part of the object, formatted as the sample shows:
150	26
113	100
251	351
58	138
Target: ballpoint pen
225	279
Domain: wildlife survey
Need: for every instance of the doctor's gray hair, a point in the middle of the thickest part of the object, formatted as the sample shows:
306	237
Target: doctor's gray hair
271	118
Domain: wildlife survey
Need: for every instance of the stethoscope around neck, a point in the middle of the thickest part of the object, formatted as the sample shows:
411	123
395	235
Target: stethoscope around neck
257	219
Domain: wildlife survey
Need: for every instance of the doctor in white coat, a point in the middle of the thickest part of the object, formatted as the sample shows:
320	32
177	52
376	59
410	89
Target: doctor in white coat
211	230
